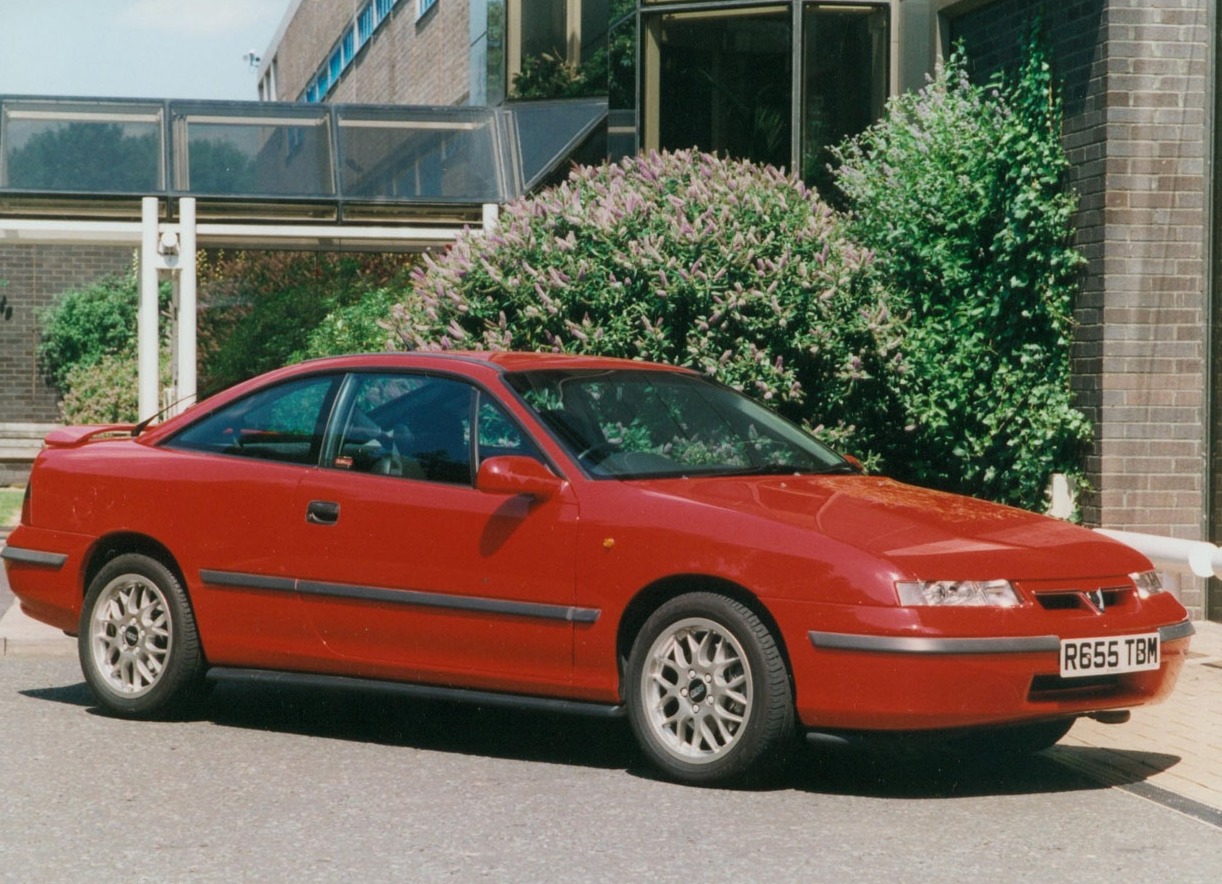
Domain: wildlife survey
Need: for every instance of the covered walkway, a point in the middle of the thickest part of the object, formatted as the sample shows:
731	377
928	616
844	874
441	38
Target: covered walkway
171	177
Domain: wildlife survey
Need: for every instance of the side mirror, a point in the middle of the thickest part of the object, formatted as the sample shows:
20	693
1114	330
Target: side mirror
854	463
514	474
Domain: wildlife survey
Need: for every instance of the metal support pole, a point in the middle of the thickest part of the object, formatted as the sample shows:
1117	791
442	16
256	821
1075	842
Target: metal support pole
146	317
187	304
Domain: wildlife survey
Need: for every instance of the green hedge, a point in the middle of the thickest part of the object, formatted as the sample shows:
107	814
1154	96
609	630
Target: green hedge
961	193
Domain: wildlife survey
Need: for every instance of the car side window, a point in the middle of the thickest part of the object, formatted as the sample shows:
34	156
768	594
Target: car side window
399	424
284	423
419	427
499	434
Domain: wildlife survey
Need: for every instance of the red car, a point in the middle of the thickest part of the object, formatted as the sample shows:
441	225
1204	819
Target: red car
585	534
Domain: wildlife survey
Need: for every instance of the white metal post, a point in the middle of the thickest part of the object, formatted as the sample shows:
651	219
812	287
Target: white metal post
146	317
187	303
492	214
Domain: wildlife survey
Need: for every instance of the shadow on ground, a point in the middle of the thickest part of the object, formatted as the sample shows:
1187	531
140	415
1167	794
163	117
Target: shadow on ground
894	773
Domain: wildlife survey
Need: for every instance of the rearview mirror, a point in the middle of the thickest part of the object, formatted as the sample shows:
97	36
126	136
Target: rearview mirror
514	474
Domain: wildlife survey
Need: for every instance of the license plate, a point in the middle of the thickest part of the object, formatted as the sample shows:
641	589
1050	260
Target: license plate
1109	656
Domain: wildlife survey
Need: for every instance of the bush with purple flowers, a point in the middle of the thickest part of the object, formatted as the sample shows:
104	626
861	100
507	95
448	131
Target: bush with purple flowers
731	268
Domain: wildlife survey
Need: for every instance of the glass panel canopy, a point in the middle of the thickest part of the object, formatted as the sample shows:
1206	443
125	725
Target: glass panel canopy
81	146
252	151
264	159
437	154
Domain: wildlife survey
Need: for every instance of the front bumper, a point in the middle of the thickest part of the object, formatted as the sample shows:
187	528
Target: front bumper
870	672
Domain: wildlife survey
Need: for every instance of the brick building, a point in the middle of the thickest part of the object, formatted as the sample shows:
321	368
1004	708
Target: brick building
30	277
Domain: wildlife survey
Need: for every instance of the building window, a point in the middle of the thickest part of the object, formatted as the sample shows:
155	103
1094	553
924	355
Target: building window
844	79
364	25
348	45
556	48
422	8
359	32
720	81
723	79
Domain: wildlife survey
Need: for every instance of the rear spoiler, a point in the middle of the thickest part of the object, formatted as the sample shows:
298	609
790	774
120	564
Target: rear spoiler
72	437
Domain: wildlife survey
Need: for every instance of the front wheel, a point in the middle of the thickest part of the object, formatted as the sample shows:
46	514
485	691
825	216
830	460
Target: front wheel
138	645
708	692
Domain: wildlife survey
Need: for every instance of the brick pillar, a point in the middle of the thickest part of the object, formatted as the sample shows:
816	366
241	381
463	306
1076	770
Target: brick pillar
1150	458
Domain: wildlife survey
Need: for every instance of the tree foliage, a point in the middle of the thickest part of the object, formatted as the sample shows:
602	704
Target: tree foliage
960	191
261	308
356	327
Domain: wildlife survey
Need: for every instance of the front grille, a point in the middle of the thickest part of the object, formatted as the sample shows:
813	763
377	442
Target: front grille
1083	599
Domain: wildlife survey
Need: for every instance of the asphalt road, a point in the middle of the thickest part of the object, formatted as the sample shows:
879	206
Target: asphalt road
274	785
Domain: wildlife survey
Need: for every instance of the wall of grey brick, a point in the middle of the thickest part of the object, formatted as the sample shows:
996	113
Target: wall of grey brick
30	278
1135	75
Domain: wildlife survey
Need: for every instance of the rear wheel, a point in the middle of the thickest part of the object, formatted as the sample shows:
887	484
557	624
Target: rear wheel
138	645
708	692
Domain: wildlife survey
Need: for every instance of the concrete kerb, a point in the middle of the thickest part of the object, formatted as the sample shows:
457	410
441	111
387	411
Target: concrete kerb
1170	753
23	636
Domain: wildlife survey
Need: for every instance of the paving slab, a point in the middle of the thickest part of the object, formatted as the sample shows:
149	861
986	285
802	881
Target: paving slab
1174	746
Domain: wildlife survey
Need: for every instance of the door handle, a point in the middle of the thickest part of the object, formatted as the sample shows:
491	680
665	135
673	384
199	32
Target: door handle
322	512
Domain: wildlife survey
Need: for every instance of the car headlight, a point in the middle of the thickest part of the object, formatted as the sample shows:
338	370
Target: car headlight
1147	583
971	593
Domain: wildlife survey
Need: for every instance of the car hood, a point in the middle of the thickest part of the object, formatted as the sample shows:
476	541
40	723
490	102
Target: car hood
926	534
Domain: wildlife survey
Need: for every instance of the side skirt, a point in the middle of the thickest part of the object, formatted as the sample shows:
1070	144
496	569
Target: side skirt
416	691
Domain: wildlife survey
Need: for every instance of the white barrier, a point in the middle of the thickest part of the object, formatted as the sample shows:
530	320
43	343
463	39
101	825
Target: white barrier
1172	554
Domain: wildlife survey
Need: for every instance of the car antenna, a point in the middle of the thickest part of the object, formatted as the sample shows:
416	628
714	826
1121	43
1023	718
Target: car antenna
144	424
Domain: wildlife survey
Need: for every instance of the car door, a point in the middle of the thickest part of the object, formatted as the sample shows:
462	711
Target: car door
234	475
407	570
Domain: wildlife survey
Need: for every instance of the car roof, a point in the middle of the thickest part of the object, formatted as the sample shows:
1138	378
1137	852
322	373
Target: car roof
498	360
469	362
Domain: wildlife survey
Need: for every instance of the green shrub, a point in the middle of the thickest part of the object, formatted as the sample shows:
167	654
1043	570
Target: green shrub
547	76
83	325
359	327
685	258
960	191
102	392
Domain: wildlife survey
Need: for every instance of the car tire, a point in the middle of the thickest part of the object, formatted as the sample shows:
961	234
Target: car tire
138	644
708	692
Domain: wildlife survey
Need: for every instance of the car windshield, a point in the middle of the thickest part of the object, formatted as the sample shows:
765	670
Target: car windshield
628	424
